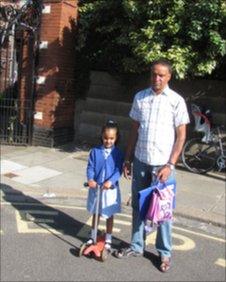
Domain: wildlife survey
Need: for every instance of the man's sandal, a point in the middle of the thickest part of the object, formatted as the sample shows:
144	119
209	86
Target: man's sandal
127	252
165	264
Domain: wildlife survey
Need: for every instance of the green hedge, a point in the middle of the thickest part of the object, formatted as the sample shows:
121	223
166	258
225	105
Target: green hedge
125	36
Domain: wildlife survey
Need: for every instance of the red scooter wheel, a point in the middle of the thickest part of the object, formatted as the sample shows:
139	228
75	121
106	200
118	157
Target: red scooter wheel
104	255
82	248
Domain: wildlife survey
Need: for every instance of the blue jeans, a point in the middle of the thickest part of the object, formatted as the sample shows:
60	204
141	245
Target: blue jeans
142	177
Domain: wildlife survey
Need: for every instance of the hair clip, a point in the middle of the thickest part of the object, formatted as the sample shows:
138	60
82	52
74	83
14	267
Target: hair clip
111	122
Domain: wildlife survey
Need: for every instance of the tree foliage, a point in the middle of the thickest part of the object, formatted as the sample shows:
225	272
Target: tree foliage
126	35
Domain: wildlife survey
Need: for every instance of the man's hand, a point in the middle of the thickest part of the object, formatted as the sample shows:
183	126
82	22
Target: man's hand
164	173
127	170
92	184
107	185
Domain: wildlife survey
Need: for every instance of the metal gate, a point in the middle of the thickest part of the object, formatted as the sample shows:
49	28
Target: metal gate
19	23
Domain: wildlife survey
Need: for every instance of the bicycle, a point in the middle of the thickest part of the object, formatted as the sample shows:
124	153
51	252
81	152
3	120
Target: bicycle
202	154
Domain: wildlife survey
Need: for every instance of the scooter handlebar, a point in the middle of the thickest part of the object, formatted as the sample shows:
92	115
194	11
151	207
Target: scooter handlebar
87	185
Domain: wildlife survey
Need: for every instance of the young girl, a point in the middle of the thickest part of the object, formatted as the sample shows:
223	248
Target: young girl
104	168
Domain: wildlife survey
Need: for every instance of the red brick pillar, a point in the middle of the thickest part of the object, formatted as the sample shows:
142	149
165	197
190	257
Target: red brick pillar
55	99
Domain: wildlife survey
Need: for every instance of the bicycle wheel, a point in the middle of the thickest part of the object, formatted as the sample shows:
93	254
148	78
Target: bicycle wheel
198	156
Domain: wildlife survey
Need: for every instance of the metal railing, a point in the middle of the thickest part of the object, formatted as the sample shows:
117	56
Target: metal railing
19	26
16	121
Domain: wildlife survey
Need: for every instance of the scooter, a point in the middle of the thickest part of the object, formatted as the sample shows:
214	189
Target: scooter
98	246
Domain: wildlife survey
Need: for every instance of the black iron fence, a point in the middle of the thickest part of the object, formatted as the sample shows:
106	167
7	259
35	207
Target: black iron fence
19	26
16	121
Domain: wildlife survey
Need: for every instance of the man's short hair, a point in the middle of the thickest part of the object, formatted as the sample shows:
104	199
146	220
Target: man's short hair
163	62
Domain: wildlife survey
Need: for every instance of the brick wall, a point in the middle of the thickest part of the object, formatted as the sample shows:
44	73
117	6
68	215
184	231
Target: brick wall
54	102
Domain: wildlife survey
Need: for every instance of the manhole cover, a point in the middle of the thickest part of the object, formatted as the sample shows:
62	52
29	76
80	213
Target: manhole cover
10	175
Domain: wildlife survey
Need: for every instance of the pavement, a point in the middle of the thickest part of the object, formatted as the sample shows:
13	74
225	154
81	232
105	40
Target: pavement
59	173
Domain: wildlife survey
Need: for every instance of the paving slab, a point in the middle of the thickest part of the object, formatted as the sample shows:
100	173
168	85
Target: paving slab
62	171
8	166
68	164
34	174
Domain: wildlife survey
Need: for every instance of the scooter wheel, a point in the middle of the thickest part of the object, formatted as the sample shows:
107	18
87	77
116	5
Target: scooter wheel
82	248
104	255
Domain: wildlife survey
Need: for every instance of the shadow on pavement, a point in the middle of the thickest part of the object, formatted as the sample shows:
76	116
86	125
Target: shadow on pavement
155	260
85	147
74	147
55	221
44	216
214	174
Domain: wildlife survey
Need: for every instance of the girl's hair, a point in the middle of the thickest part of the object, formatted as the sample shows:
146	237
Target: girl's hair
110	124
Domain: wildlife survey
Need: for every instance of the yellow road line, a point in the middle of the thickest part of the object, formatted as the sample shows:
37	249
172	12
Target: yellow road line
126	215
41	220
20	204
41	205
22	227
67	207
45	212
123	222
221	262
185	243
115	230
200	234
83	231
150	239
59	206
102	226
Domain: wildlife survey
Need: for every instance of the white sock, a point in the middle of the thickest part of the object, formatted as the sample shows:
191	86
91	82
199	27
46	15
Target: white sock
108	237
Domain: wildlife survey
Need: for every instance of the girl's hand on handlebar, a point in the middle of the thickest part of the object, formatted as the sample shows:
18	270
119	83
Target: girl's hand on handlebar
107	185
92	184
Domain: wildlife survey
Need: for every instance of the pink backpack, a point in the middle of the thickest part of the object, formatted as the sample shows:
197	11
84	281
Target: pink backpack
161	205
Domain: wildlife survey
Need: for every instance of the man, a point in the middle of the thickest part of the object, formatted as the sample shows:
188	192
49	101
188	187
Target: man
159	117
